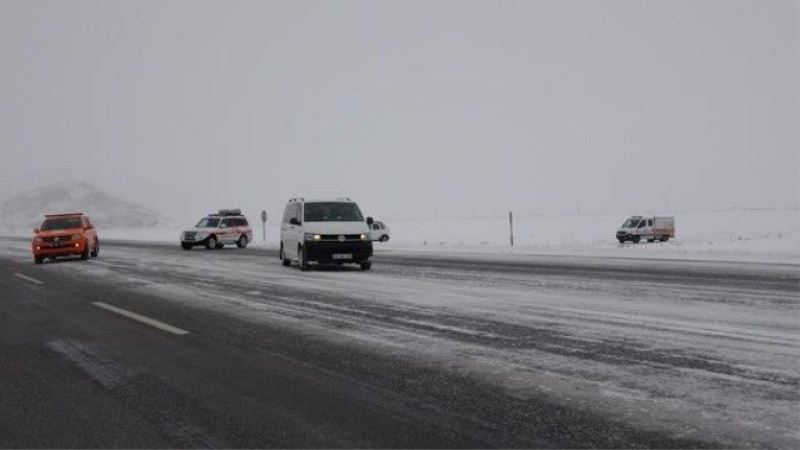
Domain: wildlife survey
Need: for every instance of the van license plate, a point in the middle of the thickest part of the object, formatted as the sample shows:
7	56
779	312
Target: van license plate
342	256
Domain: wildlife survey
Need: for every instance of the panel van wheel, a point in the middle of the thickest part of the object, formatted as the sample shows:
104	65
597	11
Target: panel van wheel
38	259
301	259
366	265
636	239
211	243
242	242
664	238
284	260
96	251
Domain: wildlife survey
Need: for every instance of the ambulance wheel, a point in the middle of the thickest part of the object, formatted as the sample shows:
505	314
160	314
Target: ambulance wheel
186	246
211	243
242	242
621	240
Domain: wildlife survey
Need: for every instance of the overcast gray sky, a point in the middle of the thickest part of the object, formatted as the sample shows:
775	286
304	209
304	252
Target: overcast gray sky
409	107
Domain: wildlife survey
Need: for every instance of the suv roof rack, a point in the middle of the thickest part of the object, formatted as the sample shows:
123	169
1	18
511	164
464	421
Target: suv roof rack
64	214
228	212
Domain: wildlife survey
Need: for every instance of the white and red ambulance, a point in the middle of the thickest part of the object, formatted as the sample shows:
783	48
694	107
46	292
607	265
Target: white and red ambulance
228	226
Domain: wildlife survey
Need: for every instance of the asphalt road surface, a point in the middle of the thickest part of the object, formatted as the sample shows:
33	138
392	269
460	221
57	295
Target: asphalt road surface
153	346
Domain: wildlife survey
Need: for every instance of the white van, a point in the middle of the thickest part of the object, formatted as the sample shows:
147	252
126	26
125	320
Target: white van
325	231
650	228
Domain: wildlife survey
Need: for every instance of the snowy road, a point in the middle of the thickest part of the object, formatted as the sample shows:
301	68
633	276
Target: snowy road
422	351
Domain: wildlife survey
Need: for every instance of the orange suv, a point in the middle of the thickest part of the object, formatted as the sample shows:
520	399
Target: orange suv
65	235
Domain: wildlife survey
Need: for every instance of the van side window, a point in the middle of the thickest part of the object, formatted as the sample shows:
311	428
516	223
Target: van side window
642	224
287	213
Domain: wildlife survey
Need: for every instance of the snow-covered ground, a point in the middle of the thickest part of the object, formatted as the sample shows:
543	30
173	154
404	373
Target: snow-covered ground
746	235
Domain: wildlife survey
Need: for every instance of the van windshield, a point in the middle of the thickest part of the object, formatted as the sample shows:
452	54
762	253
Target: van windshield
630	223
62	223
207	222
332	212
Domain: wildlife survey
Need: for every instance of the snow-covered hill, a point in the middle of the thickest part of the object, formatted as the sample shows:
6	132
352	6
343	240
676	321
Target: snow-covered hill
27	209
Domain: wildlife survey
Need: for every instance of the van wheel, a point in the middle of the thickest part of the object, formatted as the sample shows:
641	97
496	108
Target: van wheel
211	243
301	259
96	251
242	242
636	239
664	238
366	265
384	238
285	261
38	259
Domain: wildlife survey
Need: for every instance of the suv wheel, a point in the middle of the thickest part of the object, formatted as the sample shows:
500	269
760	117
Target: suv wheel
242	242
96	250
38	259
301	259
186	246
211	243
85	254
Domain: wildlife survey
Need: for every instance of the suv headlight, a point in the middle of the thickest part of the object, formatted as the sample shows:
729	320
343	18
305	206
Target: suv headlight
313	237
76	237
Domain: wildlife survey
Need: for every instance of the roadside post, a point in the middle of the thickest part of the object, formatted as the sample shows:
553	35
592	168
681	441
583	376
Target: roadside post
511	227
264	225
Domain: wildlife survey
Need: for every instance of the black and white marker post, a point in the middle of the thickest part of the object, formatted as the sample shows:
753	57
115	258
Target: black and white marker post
264	225
511	227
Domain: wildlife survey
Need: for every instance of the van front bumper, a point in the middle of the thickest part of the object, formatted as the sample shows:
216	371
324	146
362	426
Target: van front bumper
333	251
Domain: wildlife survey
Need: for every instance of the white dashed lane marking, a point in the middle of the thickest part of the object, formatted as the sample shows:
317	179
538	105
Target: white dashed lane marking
141	319
28	279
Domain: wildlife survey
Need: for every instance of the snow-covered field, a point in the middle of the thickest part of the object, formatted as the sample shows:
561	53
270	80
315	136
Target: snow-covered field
746	235
749	235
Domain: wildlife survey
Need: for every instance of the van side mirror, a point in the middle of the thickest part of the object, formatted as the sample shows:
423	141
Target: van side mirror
35	231
370	220
294	221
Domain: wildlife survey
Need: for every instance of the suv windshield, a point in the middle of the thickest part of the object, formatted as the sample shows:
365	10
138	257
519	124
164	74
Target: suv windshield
62	223
332	212
207	222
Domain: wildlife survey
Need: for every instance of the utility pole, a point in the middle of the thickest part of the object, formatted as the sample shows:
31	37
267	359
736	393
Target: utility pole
511	227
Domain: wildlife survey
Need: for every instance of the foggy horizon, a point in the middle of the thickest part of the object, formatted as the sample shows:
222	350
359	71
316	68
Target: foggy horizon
412	109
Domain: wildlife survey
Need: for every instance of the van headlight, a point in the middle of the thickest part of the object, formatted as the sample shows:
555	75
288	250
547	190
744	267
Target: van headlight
364	237
313	237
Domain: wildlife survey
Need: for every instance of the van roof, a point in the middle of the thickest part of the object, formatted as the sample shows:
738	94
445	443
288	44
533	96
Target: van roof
322	199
